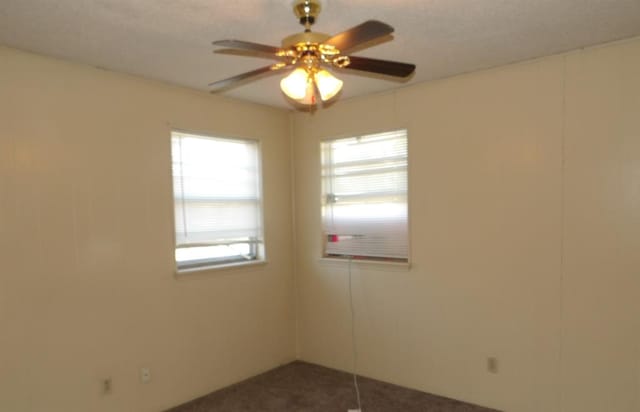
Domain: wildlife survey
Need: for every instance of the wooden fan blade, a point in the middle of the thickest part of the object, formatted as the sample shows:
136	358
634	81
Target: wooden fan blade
245	45
390	68
248	53
366	32
237	80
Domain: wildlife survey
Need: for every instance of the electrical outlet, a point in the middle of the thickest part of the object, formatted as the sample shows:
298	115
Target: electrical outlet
106	386
492	364
145	375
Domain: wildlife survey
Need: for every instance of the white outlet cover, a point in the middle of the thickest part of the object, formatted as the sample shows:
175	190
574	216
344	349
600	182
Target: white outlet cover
145	375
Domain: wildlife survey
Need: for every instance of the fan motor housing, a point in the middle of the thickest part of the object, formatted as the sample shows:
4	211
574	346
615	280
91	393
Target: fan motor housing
306	37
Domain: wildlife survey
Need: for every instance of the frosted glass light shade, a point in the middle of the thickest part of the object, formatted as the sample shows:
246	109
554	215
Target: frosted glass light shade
295	85
328	84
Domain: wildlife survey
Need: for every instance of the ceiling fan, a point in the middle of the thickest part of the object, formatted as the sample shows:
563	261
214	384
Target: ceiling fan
309	53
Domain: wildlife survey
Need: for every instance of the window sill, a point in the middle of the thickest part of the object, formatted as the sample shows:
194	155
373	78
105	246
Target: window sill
225	266
400	266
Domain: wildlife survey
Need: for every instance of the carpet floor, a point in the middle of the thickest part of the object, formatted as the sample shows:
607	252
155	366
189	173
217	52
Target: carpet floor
304	387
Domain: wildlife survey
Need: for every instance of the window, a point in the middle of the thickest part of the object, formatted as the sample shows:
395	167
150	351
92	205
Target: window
364	199
217	200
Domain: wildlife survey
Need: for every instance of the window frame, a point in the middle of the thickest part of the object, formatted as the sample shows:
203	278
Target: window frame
366	260
258	245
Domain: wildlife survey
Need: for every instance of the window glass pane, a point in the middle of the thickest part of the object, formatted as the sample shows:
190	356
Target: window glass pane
206	254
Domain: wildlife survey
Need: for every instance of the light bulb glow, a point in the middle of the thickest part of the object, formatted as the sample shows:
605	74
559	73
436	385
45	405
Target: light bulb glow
328	84
309	98
295	84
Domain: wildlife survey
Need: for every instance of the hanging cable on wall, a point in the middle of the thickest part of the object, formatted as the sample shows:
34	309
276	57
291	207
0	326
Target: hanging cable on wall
353	343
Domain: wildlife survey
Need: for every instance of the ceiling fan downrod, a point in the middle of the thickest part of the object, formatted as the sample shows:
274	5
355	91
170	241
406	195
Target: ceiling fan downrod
306	11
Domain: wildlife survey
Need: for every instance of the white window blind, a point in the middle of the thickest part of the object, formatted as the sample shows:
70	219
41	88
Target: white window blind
364	183
216	184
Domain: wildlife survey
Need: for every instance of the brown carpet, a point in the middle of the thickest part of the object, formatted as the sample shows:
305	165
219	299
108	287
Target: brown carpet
303	387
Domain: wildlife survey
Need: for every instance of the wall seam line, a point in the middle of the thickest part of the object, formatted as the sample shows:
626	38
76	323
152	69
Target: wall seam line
562	230
294	243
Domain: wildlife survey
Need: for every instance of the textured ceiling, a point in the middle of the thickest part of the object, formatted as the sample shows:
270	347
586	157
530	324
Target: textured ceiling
170	40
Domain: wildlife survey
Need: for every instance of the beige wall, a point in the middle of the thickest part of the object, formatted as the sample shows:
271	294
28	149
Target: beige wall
601	345
525	220
87	288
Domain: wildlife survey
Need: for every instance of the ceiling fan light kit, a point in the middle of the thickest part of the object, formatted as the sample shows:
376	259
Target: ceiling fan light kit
310	53
302	83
